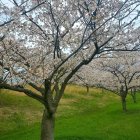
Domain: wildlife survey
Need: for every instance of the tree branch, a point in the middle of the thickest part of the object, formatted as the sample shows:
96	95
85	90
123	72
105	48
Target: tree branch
19	89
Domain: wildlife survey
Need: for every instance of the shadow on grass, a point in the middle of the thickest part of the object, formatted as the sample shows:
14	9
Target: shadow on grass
76	138
134	111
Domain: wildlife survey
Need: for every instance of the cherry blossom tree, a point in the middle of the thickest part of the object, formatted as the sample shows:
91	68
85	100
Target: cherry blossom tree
85	77
124	76
45	42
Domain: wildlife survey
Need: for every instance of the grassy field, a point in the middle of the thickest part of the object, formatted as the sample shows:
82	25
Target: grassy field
95	115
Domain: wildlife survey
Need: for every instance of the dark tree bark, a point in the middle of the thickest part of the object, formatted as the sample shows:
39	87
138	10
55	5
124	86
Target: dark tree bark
124	103
133	94
134	97
87	87
47	125
123	94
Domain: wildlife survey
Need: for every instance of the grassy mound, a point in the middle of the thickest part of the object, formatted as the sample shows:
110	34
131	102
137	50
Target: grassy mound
81	116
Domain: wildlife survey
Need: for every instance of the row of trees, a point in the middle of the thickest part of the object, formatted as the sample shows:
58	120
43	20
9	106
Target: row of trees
125	75
119	73
44	43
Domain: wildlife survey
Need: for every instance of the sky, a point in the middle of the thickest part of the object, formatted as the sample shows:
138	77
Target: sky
7	2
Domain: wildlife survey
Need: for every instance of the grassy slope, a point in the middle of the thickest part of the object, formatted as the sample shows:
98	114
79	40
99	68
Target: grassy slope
80	116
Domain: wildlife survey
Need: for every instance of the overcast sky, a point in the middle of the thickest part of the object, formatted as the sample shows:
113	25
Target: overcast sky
7	2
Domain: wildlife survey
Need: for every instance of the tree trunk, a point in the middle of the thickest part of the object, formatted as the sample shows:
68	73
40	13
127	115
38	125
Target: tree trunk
134	97
87	89
133	94
123	94
124	104
102	90
47	126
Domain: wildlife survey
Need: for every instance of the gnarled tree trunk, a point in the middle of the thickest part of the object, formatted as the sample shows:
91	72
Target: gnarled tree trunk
47	126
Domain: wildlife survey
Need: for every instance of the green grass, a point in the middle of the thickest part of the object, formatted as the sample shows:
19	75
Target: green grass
81	116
